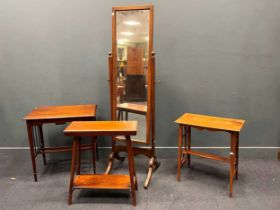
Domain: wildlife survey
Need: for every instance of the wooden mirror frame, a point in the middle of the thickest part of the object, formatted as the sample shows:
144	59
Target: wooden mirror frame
150	116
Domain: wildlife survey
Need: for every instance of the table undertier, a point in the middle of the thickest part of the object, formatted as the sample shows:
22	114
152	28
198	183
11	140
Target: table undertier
101	181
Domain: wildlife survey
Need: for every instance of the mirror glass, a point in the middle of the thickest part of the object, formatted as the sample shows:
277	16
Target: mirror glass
132	39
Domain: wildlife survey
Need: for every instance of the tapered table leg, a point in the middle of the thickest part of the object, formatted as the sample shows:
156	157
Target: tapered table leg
232	161
237	155
93	154
73	164
131	169
42	143
31	147
179	152
78	155
189	144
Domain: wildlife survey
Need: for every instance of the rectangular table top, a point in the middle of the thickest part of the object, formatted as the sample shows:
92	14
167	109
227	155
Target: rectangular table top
211	122
101	128
62	112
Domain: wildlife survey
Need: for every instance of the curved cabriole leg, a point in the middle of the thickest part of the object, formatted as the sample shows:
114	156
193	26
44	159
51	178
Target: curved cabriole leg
110	163
184	159
153	164
118	157
112	156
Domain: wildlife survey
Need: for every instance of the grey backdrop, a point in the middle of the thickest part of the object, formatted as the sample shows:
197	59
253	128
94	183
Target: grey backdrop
218	57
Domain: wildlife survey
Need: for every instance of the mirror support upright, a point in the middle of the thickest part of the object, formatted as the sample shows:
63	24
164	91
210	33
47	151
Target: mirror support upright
120	55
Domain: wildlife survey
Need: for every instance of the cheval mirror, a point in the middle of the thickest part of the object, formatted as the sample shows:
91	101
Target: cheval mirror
132	80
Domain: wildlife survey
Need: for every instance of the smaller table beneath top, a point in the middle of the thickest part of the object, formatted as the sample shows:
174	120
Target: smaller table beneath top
102	181
232	126
58	115
132	108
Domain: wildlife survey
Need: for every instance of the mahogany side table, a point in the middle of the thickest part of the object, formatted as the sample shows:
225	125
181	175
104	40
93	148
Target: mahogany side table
132	108
102	181
57	115
200	122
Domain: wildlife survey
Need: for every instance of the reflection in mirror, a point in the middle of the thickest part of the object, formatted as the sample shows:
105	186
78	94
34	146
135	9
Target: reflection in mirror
132	33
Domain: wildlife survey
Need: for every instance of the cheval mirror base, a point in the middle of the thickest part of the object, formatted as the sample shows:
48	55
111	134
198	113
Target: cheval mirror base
117	148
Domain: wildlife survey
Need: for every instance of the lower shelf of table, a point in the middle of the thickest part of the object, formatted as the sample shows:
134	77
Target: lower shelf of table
101	181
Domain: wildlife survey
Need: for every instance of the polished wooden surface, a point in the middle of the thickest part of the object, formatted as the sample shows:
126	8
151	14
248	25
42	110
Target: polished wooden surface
210	122
134	7
133	108
200	122
114	181
61	112
57	115
93	181
101	128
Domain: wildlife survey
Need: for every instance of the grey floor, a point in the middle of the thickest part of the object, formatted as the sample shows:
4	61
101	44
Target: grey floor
205	186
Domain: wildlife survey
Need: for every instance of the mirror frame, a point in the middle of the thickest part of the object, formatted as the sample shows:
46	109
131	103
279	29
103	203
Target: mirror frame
151	71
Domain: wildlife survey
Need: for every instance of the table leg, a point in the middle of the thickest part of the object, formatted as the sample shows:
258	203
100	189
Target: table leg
72	173
93	154
119	115
79	155
189	144
96	150
126	115
237	155
131	169
232	161
184	136
42	143
179	152
135	177
31	147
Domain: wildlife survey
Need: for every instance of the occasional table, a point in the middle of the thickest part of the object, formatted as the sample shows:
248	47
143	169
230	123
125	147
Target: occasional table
200	122
57	115
132	108
102	181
